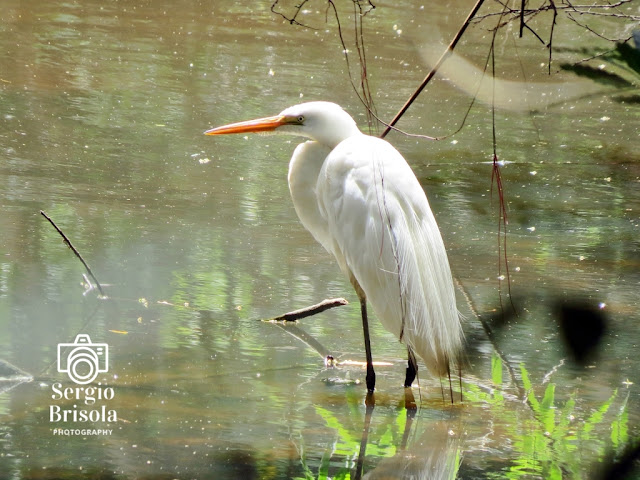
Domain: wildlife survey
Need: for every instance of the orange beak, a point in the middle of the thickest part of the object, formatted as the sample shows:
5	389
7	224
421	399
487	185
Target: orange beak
267	124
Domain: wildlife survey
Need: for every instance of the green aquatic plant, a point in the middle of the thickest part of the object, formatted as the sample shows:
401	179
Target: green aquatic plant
540	432
549	438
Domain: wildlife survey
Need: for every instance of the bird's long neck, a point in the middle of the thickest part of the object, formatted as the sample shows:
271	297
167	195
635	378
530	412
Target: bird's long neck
304	168
331	134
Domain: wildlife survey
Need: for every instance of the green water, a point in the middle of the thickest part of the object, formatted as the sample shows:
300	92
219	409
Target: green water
194	240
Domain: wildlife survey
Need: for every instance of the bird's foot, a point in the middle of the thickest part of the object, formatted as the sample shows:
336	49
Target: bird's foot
411	374
371	379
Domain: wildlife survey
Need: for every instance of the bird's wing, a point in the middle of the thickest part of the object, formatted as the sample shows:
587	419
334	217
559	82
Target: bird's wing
382	228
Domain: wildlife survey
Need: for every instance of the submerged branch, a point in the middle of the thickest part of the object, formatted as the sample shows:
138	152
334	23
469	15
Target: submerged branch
74	250
304	337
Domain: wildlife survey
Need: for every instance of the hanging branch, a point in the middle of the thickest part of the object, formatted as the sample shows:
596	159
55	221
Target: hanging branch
360	10
73	249
363	92
293	19
367	97
553	26
587	9
496	177
435	68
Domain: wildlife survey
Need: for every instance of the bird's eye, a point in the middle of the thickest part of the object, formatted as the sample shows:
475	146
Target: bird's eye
300	119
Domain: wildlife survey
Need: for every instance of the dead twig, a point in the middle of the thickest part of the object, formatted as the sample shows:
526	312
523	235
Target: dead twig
293	19
77	254
312	310
496	177
283	321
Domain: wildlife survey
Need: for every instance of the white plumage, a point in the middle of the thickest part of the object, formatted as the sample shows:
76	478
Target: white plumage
360	199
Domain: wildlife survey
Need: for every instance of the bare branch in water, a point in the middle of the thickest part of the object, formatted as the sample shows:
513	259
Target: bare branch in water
293	330
73	249
312	310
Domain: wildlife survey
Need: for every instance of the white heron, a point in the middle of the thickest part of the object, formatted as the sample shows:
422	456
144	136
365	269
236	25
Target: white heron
361	201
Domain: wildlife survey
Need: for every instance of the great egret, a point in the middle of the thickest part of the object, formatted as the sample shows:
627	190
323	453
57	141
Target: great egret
360	199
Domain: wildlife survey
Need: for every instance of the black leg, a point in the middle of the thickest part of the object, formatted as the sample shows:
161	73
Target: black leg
412	369
371	375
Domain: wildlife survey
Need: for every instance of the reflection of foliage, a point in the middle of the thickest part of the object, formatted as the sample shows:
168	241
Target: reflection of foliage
625	61
347	444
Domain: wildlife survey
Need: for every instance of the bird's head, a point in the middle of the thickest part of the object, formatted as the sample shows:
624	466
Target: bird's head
324	122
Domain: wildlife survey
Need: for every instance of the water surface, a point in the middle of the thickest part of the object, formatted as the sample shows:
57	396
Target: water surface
195	241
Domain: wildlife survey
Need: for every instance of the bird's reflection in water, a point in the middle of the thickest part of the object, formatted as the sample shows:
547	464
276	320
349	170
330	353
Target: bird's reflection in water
435	455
